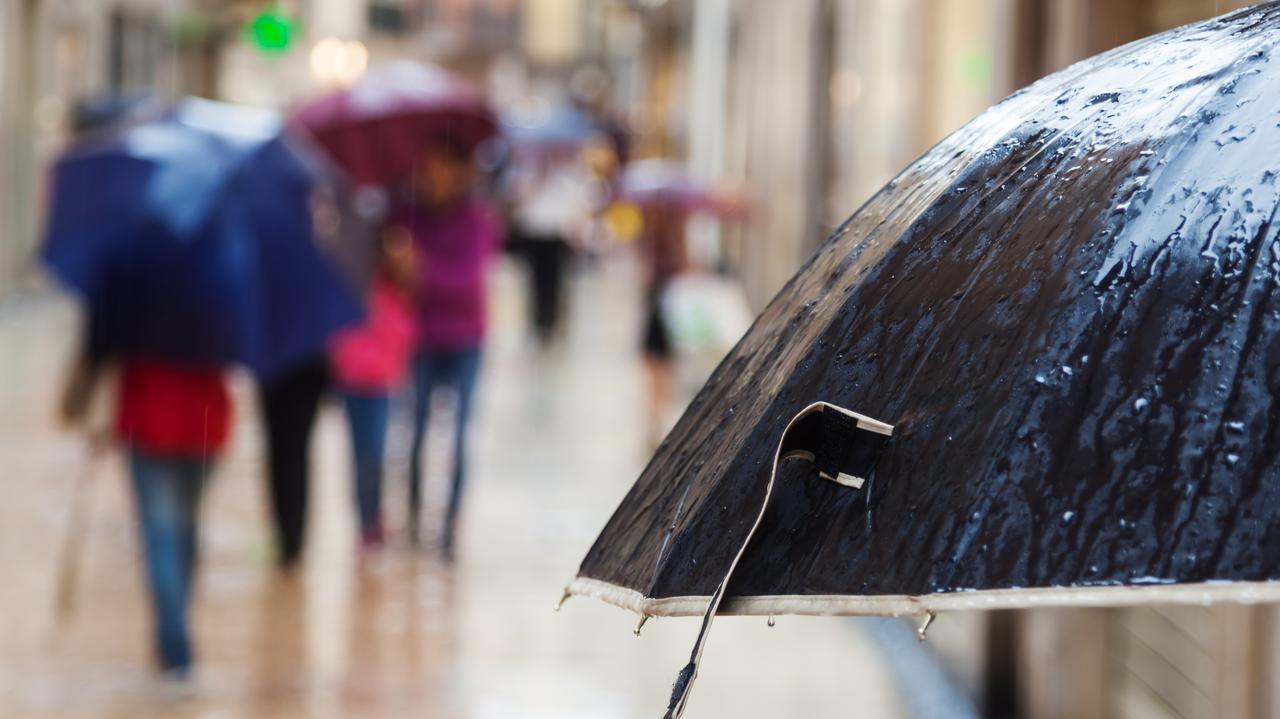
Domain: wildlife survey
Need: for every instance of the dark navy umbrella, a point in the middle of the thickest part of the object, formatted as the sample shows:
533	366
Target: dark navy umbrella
109	110
206	237
1039	367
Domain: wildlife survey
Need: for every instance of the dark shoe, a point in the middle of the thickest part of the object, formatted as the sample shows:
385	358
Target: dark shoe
447	541
288	562
372	540
415	536
173	653
176	685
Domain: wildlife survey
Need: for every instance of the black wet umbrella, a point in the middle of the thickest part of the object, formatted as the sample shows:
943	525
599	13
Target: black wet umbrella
1065	322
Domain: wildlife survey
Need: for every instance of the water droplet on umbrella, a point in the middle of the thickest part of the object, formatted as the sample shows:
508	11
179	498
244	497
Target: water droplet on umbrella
1067	516
1140	404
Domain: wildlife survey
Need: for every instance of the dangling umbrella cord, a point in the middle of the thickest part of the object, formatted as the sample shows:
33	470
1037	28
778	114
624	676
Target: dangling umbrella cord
844	447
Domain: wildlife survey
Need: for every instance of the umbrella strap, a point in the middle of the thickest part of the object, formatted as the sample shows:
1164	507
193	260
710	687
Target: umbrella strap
843	446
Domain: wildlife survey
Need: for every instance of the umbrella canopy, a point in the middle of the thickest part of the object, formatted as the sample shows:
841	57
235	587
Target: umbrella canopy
204	236
376	128
666	184
558	126
1067	313
105	111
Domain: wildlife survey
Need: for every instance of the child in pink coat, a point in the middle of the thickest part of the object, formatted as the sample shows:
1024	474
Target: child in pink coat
370	362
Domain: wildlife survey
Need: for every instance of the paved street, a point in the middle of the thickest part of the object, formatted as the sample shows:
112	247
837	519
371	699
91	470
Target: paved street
558	440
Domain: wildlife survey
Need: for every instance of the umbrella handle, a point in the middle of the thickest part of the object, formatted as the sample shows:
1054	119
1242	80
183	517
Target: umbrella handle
844	447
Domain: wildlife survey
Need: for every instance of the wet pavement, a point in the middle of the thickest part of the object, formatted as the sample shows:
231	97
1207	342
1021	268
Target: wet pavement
558	440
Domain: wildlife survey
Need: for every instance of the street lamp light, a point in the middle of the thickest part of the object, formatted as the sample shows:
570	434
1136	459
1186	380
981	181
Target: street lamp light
335	63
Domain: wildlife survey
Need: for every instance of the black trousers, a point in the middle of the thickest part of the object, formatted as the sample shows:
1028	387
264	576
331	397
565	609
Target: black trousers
548	258
289	406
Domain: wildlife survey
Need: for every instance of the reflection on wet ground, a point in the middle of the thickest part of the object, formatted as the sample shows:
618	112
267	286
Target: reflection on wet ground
559	439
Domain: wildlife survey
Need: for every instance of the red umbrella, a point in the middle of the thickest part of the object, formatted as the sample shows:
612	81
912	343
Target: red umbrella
376	128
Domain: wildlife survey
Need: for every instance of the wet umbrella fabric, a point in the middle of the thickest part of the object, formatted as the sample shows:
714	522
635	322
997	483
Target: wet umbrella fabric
1068	313
194	238
376	128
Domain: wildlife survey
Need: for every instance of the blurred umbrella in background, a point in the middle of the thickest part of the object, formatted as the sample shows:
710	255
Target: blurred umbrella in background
206	236
377	128
104	112
1059	335
548	128
666	184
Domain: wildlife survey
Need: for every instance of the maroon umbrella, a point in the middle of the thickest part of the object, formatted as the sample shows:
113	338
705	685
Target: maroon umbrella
666	184
376	128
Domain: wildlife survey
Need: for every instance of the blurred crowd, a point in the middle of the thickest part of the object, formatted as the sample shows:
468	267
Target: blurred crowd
342	250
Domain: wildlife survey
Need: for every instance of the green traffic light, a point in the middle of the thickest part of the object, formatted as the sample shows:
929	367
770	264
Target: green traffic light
271	31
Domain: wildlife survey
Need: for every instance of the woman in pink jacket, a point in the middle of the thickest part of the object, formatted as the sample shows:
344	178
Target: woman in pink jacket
369	363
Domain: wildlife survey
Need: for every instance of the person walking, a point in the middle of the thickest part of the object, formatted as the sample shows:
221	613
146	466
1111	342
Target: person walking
664	255
290	402
173	420
369	363
555	202
455	235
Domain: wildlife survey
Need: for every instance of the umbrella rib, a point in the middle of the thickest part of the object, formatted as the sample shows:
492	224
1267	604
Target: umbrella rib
666	538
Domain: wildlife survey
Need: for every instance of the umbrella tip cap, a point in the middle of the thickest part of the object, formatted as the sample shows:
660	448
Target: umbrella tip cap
924	625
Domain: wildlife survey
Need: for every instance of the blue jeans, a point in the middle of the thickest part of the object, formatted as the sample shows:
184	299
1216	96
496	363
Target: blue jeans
368	415
432	370
168	493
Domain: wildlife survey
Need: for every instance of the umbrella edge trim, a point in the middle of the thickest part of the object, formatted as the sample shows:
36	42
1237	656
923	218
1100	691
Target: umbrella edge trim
901	605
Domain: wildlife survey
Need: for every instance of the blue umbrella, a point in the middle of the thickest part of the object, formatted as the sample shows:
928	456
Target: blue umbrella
108	110
202	237
549	127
